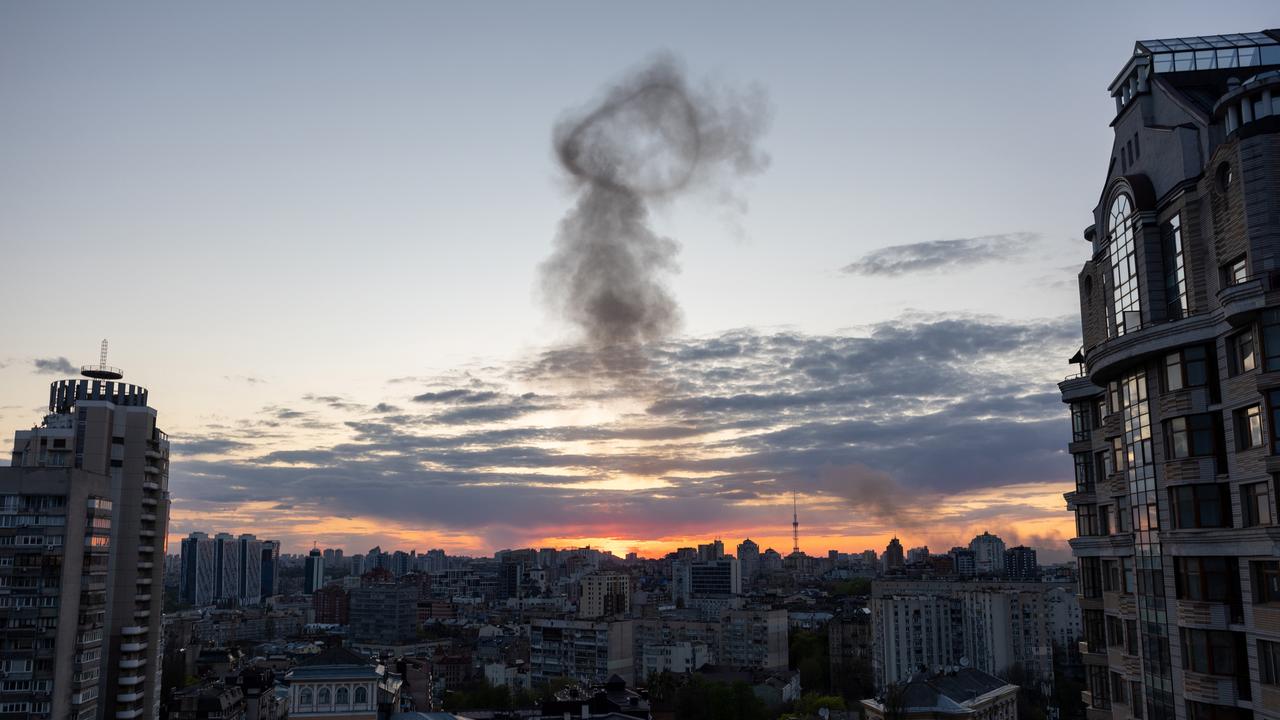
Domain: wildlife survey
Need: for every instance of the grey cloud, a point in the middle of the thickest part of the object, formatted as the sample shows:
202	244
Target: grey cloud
55	366
941	254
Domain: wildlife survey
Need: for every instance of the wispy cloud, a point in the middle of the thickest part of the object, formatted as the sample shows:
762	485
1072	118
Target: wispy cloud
941	254
54	366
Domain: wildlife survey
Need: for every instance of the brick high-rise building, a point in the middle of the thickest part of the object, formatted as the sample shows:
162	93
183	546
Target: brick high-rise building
1176	412
97	450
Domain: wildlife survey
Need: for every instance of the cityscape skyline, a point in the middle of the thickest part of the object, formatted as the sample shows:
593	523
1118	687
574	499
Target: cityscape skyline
836	343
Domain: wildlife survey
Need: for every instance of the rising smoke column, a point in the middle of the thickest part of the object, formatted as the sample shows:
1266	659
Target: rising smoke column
652	138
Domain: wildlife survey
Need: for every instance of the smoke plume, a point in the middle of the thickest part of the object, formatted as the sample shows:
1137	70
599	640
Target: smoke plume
651	138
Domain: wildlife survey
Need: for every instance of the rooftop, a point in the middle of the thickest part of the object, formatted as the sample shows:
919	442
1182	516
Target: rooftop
1211	52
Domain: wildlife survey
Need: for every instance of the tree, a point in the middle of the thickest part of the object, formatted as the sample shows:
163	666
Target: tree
700	699
810	703
810	655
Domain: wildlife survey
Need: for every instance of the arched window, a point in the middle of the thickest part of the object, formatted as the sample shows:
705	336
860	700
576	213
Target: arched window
325	698
362	696
344	696
1127	304
304	697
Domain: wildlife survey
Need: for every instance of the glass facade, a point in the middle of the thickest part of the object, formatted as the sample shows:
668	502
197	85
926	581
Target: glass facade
1175	274
1127	305
1140	473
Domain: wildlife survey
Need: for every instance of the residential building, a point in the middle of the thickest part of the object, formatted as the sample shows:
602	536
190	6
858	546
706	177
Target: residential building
98	426
55	530
604	594
383	613
1173	413
198	581
963	693
988	554
920	625
673	657
748	561
1020	564
313	572
893	558
215	701
332	605
584	650
962	560
249	584
270	567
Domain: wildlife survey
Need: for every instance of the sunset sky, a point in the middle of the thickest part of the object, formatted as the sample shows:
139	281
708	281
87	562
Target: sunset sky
314	231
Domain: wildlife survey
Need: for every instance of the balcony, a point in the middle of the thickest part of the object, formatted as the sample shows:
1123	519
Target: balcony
1109	358
1242	301
146	565
141	614
129	697
146	549
149	501
132	664
153	454
151	485
1078	387
147	517
1098	656
133	630
1215	689
145	597
151	470
129	714
129	680
131	647
1208	615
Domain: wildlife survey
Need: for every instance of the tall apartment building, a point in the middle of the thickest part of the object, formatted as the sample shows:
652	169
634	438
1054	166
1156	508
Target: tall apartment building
222	569
97	449
1174	413
198	579
604	594
270	565
313	572
1020	564
748	560
988	554
922	626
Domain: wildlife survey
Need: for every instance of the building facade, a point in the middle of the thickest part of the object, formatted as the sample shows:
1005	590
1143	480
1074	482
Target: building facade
1174	411
604	594
97	426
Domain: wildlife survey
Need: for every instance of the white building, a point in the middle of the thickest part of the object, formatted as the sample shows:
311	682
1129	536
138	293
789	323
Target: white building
988	554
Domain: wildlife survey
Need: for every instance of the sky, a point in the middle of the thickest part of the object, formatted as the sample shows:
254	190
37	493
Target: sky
317	232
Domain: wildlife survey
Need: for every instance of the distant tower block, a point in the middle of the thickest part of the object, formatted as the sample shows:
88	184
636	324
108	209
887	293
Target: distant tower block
102	371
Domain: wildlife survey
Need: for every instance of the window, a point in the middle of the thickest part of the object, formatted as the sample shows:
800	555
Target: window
344	696
1207	711
1269	661
1175	276
1084	473
1243	357
1131	639
1091	577
1080	417
1188	367
1266	581
1269	333
1201	506
304	697
1115	631
1086	520
362	696
1106	519
325	697
1095	633
1209	579
1234	272
1256	504
1190	436
1248	427
1213	652
1127	305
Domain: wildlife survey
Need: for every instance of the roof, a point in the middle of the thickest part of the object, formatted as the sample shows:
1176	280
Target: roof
949	693
335	662
1211	52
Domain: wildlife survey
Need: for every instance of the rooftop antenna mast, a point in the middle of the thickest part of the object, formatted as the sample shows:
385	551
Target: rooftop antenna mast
795	526
102	371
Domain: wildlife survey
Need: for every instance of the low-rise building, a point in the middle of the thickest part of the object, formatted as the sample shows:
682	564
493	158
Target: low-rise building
967	693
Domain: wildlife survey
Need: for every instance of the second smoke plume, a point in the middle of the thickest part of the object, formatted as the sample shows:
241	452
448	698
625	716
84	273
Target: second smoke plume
650	139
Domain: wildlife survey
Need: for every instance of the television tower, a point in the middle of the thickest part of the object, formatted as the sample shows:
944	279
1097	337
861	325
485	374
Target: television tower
795	526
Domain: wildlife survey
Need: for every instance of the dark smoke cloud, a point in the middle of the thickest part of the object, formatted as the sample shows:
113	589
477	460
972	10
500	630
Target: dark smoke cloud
651	139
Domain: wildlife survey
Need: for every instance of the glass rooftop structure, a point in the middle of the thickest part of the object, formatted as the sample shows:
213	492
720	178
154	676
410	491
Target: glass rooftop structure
1211	52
